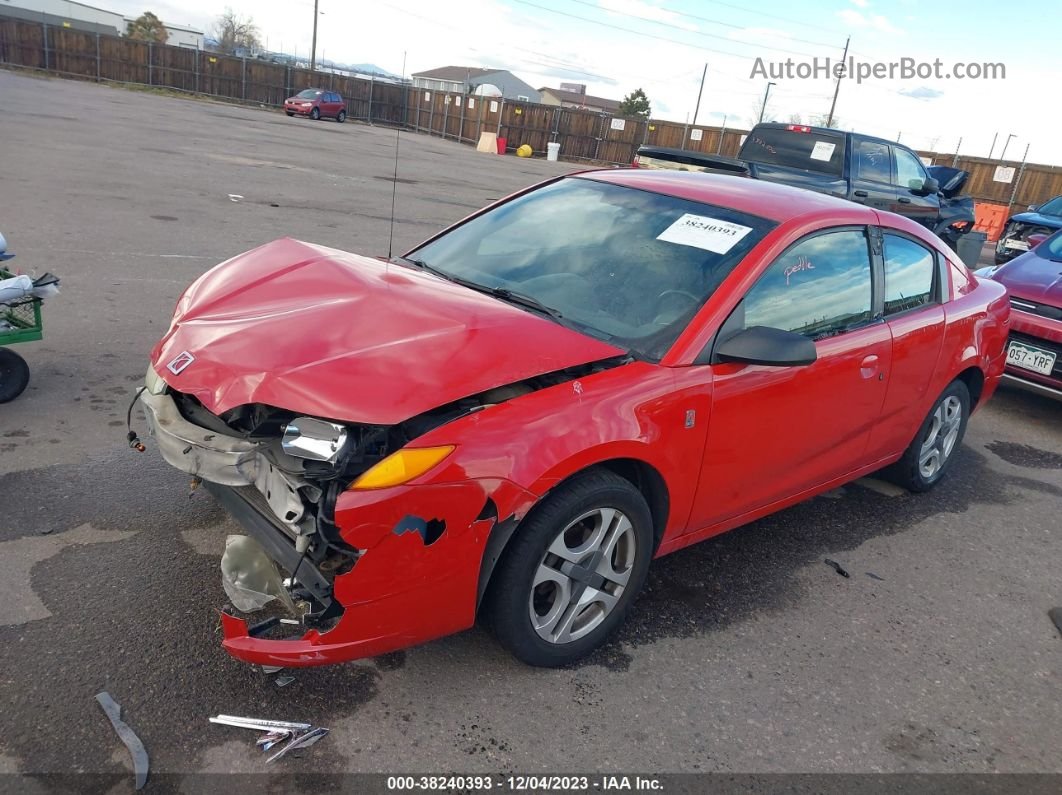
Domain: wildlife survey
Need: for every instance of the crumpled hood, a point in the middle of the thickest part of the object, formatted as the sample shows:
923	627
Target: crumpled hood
344	337
1033	277
1037	219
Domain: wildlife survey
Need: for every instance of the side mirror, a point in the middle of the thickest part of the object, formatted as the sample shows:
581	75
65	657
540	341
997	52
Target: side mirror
1032	207
929	187
769	346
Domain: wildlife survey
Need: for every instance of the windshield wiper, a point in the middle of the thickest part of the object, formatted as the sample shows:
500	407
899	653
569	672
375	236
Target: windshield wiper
520	299
504	293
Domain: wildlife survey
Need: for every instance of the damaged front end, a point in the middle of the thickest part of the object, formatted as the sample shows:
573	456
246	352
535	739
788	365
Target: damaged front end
369	562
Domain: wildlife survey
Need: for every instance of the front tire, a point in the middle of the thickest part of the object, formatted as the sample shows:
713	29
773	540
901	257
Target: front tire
572	571
14	375
315	114
933	449
290	113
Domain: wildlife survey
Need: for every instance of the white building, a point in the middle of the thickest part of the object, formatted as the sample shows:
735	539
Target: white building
65	14
91	19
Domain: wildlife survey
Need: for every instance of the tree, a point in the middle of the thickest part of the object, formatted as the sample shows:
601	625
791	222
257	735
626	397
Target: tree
235	33
147	27
635	103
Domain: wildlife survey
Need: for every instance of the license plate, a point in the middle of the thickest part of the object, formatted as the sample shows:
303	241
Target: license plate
1029	357
1021	245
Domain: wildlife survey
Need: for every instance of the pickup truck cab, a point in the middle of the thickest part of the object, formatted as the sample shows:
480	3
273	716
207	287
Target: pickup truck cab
881	174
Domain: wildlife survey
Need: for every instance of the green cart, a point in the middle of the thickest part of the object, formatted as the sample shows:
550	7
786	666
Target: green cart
19	322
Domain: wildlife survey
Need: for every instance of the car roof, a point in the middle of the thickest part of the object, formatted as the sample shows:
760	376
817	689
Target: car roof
766	199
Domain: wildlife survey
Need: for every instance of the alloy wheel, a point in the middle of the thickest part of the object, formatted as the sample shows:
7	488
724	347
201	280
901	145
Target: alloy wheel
582	575
941	437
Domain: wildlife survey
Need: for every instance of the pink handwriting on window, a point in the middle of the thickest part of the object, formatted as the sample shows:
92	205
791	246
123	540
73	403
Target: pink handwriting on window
802	264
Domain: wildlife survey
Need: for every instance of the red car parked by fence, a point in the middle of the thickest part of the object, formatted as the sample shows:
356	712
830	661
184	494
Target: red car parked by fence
315	103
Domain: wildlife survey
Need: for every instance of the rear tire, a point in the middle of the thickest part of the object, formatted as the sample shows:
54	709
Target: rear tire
315	114
341	116
933	449
14	375
572	570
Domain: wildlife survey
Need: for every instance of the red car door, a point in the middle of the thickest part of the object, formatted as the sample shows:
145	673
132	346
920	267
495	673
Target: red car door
915	279
775	432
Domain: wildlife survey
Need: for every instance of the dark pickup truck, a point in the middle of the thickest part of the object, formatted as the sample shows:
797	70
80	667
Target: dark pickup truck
881	174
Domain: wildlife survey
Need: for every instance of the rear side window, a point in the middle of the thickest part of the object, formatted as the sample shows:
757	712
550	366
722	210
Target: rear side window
871	162
808	151
909	275
820	287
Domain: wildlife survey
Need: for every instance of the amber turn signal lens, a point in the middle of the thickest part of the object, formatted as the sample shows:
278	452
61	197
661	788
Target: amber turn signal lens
401	467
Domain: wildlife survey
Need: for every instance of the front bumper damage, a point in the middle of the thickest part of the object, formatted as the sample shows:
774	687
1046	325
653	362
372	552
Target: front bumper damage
412	563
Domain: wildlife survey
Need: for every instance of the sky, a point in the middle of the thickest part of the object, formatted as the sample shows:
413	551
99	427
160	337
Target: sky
661	46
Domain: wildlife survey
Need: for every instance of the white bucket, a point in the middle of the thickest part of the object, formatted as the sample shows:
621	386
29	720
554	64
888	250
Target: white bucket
552	151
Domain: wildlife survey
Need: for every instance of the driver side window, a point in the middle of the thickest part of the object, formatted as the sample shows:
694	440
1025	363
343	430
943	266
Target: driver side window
820	287
909	171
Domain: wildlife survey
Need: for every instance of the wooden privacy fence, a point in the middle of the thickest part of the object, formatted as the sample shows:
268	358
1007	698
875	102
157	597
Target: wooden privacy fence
583	135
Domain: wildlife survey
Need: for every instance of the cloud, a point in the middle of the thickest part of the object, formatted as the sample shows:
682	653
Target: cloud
877	22
922	92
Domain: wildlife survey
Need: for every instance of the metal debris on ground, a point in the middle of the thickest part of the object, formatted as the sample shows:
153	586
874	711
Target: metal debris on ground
873	576
113	711
284	681
1055	613
837	567
272	669
297	735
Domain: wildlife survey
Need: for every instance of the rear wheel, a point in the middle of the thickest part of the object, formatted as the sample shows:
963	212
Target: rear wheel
341	116
933	449
14	375
315	114
570	574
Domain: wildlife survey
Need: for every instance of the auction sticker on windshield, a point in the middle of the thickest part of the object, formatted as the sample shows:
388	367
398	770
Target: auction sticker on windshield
700	231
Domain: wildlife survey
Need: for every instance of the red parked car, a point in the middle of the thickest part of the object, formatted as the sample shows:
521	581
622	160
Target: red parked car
1034	281
514	418
315	103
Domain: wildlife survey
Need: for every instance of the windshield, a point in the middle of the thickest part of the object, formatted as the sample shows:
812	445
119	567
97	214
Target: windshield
309	93
1052	207
626	265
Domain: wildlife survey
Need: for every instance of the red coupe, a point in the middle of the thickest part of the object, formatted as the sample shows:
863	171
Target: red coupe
512	420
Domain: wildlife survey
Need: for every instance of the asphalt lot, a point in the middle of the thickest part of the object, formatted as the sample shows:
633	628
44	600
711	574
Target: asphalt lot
746	654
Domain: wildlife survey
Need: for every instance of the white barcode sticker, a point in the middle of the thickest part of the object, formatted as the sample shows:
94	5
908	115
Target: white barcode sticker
823	150
700	231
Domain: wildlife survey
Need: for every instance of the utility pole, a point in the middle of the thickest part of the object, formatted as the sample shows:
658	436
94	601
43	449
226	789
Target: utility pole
313	46
763	107
700	91
837	88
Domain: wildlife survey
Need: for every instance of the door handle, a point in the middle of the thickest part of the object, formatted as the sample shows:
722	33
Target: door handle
861	194
904	200
868	368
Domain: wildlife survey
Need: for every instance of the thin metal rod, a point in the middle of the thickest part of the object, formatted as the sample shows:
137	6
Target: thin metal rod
837	88
394	183
700	91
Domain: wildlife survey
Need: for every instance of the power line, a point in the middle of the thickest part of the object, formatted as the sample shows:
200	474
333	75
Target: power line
687	30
